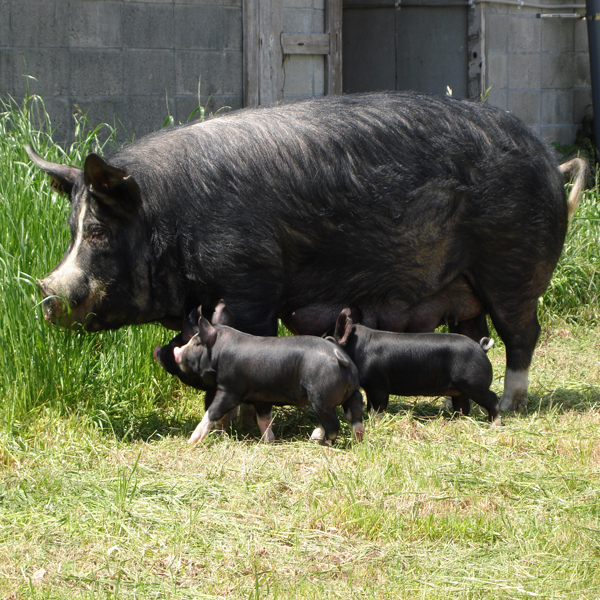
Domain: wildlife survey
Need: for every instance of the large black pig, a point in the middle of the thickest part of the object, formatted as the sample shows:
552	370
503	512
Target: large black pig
417	209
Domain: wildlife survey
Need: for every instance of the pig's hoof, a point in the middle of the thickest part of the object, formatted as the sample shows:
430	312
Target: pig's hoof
514	402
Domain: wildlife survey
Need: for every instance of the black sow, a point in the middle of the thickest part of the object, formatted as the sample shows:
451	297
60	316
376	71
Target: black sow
415	208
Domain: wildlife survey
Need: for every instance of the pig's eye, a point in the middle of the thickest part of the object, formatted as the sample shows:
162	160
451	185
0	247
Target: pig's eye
98	235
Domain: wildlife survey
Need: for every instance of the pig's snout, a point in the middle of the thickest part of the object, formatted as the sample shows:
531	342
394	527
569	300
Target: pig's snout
177	352
155	353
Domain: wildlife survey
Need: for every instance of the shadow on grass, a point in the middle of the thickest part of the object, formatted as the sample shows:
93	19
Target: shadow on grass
296	424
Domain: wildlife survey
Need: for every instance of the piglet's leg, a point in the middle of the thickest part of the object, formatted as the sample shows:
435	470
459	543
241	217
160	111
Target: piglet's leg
223	402
264	418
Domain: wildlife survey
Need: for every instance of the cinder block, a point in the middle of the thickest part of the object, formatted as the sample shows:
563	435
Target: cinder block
524	71
60	112
495	9
557	107
497	33
525	105
5	29
198	27
220	104
582	104
497	70
49	67
148	26
199	2
38	23
96	72
232	74
199	67
95	25
557	35
297	4
580	36
149	1
232	29
498	97
7	73
560	134
582	76
557	70
148	72
146	114
102	109
524	33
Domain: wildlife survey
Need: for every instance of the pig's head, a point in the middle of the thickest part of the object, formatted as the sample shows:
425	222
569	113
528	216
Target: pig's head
165	355
195	370
102	281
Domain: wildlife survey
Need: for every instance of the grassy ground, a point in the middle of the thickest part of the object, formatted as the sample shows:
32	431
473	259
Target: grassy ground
101	497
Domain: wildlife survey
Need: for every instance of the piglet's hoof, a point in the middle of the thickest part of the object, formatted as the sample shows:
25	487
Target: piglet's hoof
358	431
317	435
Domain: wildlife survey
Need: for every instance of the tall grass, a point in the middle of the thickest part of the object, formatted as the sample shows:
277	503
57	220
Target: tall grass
50	366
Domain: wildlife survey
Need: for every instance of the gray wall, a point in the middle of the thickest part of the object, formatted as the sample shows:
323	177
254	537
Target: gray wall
538	68
122	61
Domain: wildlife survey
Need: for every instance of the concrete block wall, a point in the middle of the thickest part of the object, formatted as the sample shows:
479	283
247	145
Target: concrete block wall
128	62
304	75
538	68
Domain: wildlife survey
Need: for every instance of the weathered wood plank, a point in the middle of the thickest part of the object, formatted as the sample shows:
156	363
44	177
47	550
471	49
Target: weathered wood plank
305	43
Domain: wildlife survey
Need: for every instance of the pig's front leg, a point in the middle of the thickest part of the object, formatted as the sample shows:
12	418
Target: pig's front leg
222	403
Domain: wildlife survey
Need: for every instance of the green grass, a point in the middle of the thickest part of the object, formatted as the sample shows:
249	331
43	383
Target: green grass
101	497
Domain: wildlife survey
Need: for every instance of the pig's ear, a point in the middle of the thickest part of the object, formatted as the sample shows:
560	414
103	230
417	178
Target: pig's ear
343	326
190	325
62	177
112	186
208	334
222	315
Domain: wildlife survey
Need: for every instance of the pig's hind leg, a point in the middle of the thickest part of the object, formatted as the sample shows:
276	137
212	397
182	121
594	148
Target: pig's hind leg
353	407
329	423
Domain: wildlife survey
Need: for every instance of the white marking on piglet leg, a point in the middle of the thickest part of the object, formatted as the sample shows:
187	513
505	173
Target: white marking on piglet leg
318	434
358	430
264	424
515	390
202	430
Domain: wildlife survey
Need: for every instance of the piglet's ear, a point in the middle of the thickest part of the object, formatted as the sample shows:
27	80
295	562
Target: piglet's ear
222	315
208	334
112	186
343	326
190	325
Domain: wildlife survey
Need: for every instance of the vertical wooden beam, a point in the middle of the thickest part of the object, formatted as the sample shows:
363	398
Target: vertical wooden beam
263	56
333	62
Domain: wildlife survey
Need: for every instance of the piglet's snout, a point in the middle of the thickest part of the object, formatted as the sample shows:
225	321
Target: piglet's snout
155	354
177	351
